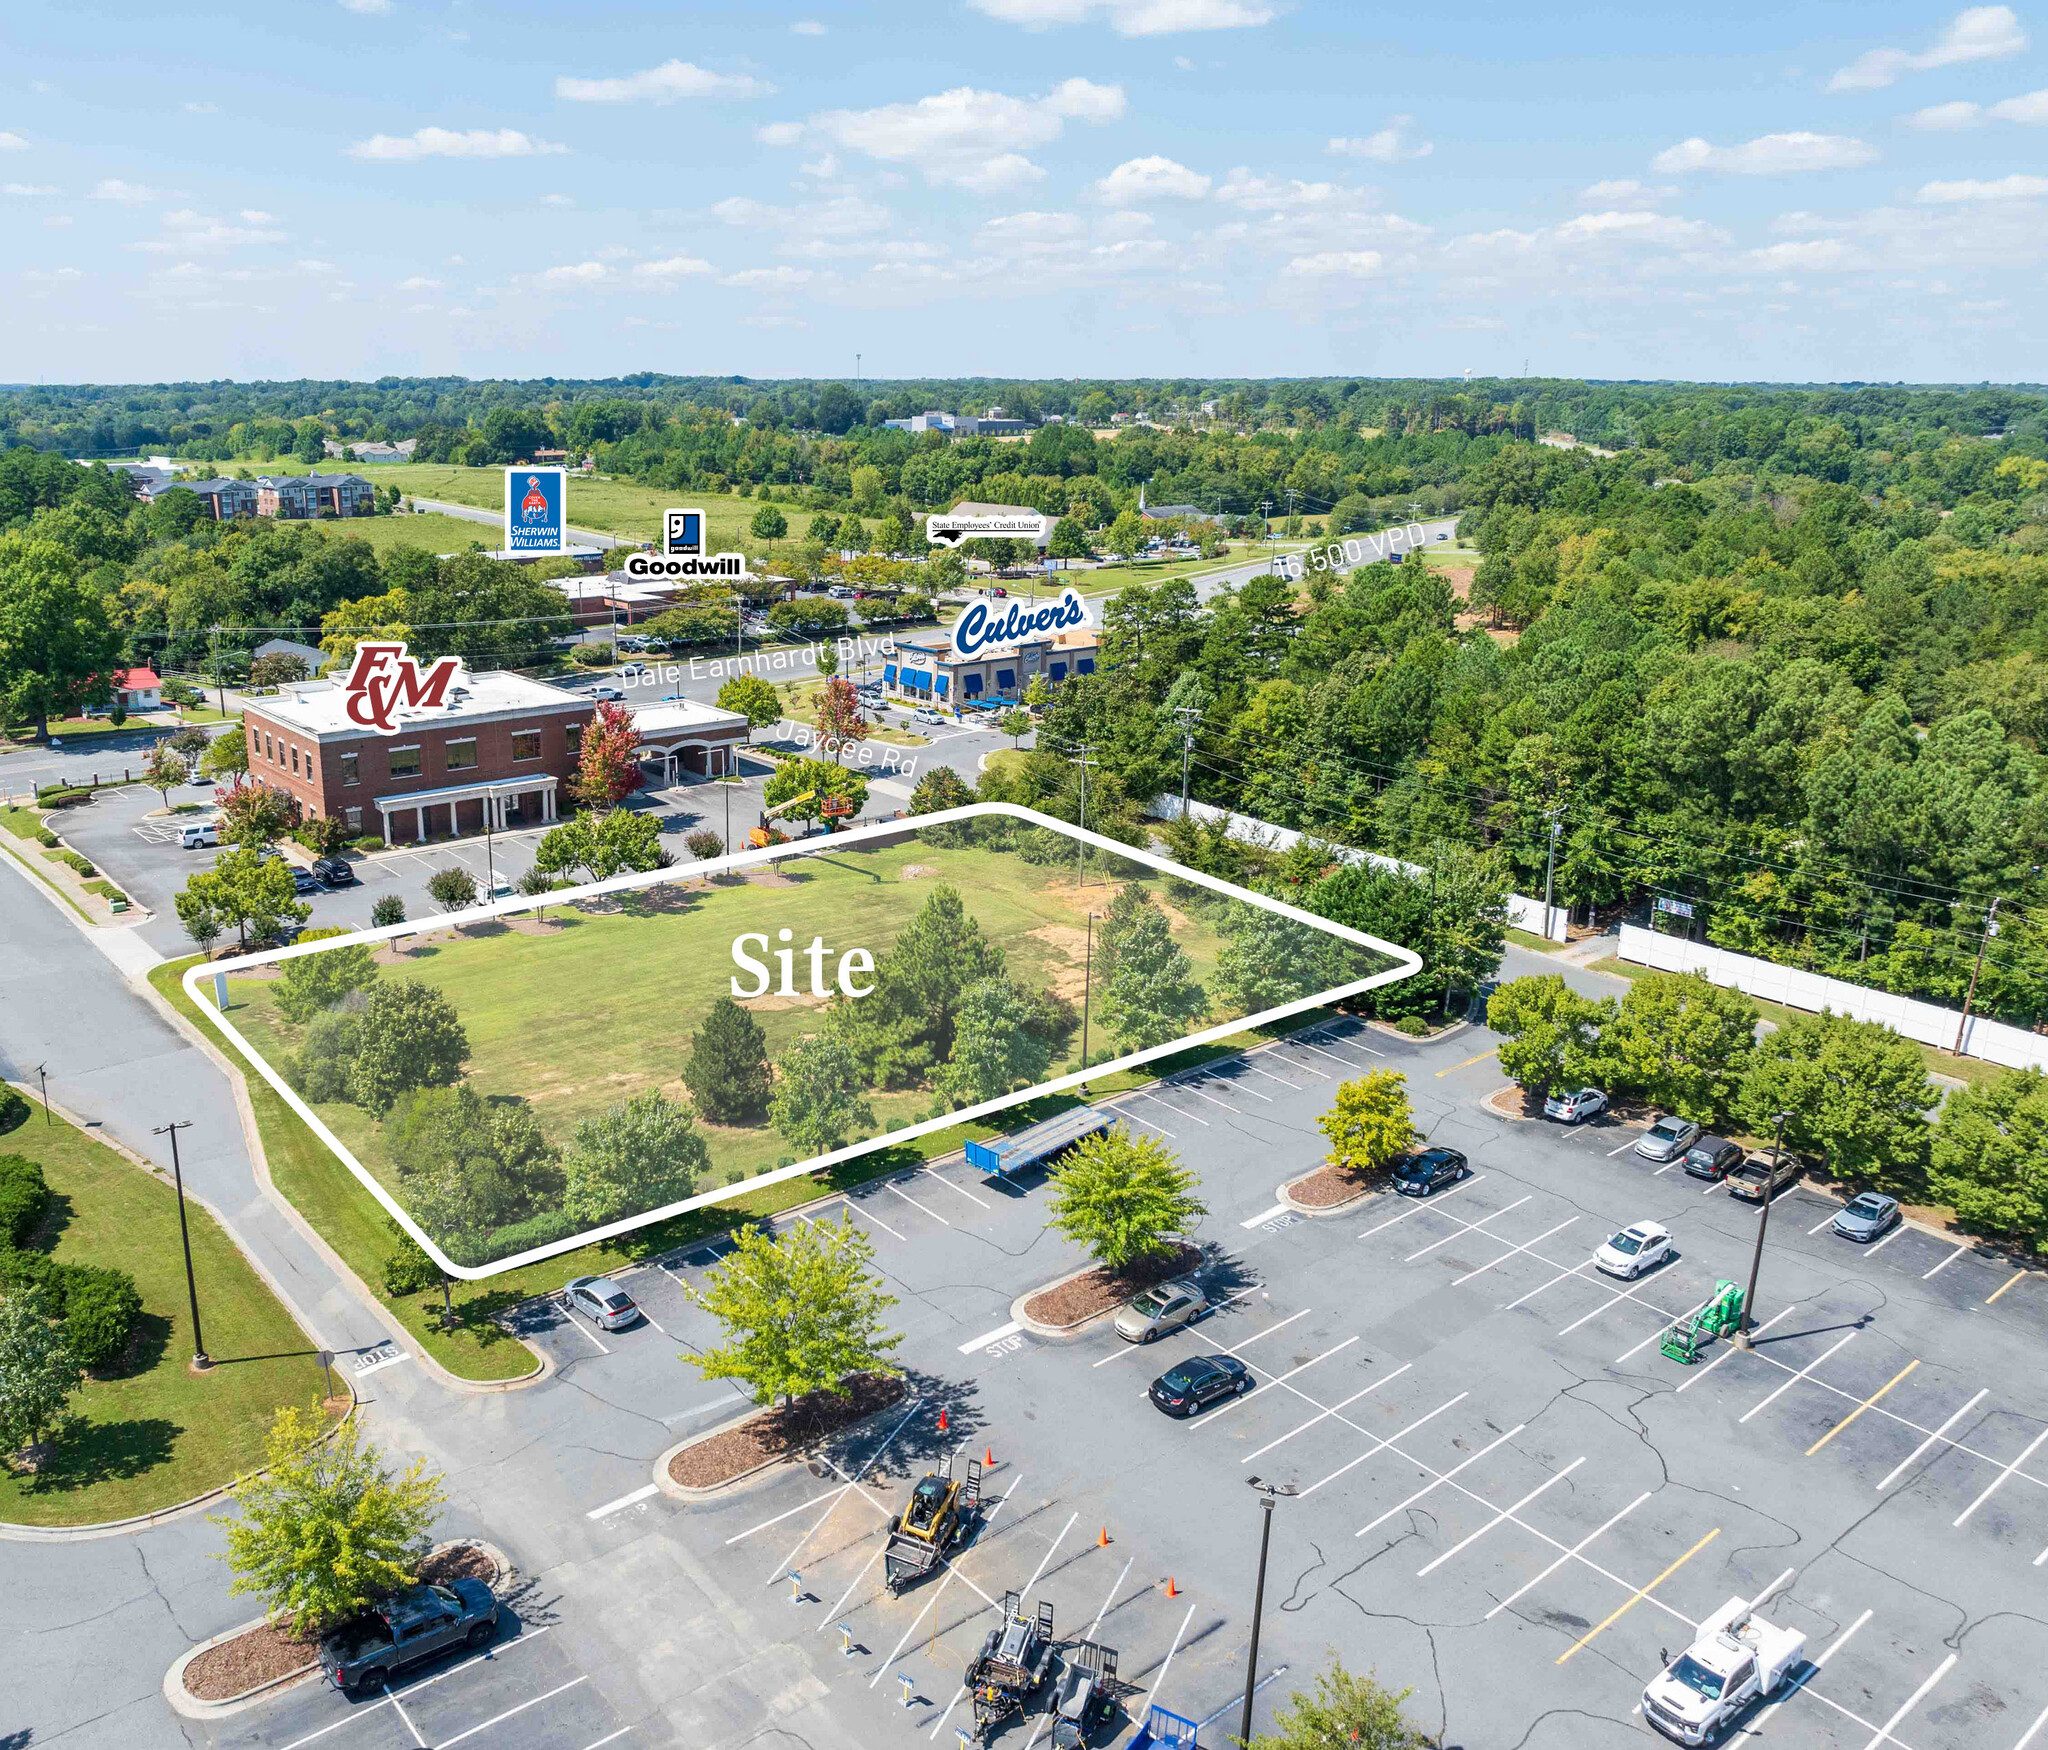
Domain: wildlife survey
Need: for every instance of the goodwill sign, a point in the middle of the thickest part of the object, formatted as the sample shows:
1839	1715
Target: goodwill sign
1013	622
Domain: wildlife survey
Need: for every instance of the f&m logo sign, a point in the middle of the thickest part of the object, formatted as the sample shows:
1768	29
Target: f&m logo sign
536	514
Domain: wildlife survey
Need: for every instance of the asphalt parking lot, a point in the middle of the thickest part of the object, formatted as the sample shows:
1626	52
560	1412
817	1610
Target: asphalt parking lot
1510	1501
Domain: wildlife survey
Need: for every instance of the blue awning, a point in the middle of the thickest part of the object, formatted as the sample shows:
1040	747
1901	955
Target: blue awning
970	684
945	681
888	671
1059	671
917	679
1006	677
1087	665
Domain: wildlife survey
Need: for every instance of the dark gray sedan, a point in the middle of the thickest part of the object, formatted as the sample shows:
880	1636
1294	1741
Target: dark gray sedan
1867	1216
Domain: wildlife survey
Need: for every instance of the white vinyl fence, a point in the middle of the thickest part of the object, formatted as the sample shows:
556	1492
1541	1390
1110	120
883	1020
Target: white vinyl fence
1524	913
1993	1041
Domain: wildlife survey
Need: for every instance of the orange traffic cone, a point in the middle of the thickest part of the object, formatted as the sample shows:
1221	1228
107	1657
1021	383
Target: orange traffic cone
1102	1542
988	1459
1172	1591
942	1421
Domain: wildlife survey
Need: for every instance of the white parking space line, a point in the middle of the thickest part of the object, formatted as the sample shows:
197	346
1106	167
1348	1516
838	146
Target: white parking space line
1190	1088
1891	1476
1568	1554
398	1708
1729	1351
1047	1557
1817	1663
960	1189
1222	1410
1961	1248
914	1204
1133	1348
449	1743
867	1215
2033	1731
730	1402
1323	1415
1236	1088
570	1319
1379	1445
939	1590
1615	1298
1141	1094
1135	1119
1887	1240
784	1568
1108	1598
831	1616
1420	1206
1500	1514
1321	1075
1912	1701
624	1501
608	1738
1153	1692
1264	1216
1439	1479
1347	1040
988	1337
1466	1227
1625	1147
1561	1276
787	1513
1846	1337
1996	1482
1513	1251
1824	1221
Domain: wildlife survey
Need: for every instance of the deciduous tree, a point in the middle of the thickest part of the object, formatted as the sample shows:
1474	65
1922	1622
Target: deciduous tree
1551	1033
1679	1041
839	722
1371	1125
820	1096
243	890
453	888
38	1371
327	1528
635	1156
1857	1092
1123	1197
801	1311
994	1050
313	982
255	814
608	765
411	1037
164	770
815	779
752	698
1989	1159
1343	1709
57	644
601	845
769	524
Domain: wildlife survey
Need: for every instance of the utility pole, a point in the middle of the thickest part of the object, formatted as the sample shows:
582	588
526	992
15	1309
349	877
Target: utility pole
1084	762
200	1359
1087	979
1969	996
1187	715
1550	869
1763	1221
1268	1493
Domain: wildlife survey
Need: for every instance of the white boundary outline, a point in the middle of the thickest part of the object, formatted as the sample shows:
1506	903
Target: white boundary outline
1406	965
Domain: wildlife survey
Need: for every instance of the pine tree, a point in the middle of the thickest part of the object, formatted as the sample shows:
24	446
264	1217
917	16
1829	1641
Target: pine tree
727	1073
1149	995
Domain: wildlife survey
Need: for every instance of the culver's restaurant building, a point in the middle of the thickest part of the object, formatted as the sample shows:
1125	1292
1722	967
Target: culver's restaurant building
928	671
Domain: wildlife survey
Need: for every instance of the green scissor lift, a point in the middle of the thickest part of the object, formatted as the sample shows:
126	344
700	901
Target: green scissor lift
1718	1315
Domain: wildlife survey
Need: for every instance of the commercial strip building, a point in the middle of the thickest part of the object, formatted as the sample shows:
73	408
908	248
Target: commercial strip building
994	423
497	755
928	671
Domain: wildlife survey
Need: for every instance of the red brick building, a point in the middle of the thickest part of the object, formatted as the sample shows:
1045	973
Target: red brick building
498	754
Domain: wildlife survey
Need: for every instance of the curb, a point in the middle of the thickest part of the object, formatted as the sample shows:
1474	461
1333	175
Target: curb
686	1494
1312	1210
1067	1333
183	1701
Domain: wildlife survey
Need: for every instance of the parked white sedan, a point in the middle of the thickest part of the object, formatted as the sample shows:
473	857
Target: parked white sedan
1635	1249
1575	1107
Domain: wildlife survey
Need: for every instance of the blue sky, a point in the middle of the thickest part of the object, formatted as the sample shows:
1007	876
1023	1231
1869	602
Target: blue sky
352	188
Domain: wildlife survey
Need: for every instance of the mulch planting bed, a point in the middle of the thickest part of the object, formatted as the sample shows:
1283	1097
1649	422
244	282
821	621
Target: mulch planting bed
1327	1187
1098	1290
259	1655
781	1432
1514	1102
459	1561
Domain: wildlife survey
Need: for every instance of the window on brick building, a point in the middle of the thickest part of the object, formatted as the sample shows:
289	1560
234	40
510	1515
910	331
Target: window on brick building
351	768
405	761
526	744
461	755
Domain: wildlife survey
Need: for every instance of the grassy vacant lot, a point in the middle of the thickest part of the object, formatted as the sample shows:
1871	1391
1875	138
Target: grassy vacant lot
436	532
152	1432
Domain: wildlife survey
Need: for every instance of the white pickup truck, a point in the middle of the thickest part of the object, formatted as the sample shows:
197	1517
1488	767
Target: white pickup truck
1737	1658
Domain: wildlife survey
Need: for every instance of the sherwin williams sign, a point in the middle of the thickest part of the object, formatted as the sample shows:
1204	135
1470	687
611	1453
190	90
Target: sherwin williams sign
1014	622
536	510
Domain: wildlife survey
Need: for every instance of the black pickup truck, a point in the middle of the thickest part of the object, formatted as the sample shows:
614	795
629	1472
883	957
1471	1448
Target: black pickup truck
415	1625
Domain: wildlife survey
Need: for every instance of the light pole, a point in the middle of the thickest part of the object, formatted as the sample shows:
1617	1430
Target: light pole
1763	1221
43	1082
1268	1493
1087	978
200	1359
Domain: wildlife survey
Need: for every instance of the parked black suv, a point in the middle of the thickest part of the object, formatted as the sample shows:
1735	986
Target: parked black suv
401	1631
1420	1174
1713	1157
335	871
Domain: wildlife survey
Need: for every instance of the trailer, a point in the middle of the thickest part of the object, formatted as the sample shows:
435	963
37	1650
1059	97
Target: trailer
942	1509
1033	1146
1016	1658
1086	1694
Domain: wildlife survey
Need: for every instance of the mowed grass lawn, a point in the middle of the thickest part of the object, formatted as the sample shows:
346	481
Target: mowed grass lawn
153	1433
601	1006
433	530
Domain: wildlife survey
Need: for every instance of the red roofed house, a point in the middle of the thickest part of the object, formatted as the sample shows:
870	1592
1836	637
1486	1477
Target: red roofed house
138	689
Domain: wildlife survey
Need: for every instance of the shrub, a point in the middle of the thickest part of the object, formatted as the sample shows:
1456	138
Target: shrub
368	842
1412	1025
100	1306
13	1110
535	1230
47	839
24	1196
320	1070
592	655
73	860
62	796
408	1270
705	844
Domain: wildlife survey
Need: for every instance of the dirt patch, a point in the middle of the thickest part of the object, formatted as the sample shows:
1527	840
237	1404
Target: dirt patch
781	1432
912	871
1096	1291
1329	1186
256	1656
769	876
459	1561
801	1000
526	924
1071	973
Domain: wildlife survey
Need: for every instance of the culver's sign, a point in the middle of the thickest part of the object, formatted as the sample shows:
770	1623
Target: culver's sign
983	628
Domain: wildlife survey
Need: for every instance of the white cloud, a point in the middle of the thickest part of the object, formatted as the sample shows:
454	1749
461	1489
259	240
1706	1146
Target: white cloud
1389	146
25	190
112	188
1137	180
807	27
1635	226
12	142
2006	188
2031	108
1031	227
251	216
825	164
191	108
663	84
52	273
1978	33
961	138
187	232
1241	188
1628	192
368	8
769	276
847	215
453	143
674	268
312	264
1767	155
1335	264
1131	17
557	200
578	273
420	283
57	220
1822	254
1945	117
